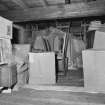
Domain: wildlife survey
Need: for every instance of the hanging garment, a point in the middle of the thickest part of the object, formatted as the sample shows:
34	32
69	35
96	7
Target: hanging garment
56	39
56	44
77	46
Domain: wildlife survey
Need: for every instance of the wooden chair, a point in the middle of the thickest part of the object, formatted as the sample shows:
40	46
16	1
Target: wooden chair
57	41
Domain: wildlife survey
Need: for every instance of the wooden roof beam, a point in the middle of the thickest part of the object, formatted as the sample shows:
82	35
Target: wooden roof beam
20	3
44	3
3	7
4	4
55	12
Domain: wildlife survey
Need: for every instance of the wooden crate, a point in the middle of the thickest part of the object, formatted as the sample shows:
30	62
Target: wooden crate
94	70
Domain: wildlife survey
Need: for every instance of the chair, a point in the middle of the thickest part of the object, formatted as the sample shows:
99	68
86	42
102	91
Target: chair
57	41
61	55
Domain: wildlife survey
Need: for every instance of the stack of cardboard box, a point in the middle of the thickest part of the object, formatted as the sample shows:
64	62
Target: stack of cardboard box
94	63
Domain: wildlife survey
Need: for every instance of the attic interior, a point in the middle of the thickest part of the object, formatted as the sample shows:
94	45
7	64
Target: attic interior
77	30
75	27
54	43
64	76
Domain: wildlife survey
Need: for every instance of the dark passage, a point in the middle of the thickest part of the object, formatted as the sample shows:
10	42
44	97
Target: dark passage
73	78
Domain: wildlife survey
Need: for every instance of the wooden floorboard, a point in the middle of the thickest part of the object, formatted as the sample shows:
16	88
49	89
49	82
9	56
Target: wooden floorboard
35	97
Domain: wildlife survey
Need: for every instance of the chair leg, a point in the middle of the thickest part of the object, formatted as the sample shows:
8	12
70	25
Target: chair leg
65	66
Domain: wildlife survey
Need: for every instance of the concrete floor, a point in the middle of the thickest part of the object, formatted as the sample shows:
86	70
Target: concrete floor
36	97
26	96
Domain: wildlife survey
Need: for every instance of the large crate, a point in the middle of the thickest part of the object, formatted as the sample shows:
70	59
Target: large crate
94	70
42	68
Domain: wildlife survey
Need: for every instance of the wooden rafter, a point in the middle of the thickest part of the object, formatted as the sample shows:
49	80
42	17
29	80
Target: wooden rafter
55	12
5	5
44	3
20	3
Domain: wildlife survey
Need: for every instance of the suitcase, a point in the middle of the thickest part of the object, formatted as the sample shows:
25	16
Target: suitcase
8	75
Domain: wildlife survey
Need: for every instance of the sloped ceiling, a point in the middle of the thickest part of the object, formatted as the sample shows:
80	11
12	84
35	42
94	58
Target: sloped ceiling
27	10
23	4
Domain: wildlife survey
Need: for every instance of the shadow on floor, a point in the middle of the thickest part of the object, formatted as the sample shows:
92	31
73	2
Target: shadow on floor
72	78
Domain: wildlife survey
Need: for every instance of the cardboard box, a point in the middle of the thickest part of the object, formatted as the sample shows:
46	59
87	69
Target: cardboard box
8	75
94	69
22	78
5	51
21	50
5	28
42	68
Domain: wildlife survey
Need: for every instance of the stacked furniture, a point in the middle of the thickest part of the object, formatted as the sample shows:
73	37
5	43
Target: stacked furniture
7	67
53	40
